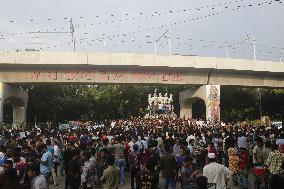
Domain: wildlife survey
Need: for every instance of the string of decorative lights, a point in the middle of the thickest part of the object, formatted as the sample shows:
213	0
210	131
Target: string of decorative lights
103	37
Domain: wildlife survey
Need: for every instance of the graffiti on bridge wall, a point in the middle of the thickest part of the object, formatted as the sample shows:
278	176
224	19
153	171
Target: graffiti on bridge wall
107	76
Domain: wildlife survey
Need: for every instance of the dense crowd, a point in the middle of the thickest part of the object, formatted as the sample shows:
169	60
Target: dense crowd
172	151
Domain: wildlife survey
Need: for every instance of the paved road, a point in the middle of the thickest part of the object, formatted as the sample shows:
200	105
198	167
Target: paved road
127	183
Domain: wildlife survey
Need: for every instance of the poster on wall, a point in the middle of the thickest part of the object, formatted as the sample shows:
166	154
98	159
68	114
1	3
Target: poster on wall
213	105
1	91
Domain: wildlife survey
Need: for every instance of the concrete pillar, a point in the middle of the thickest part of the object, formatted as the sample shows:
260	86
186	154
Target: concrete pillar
1	111
187	97
211	96
19	114
1	101
18	98
186	109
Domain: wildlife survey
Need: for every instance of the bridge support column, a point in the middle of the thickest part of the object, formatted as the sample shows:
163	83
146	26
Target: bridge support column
1	101
19	114
186	108
18	98
210	94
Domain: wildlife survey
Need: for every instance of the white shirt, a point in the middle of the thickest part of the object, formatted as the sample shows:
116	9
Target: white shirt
56	153
242	142
131	143
56	150
160	141
39	182
216	174
139	143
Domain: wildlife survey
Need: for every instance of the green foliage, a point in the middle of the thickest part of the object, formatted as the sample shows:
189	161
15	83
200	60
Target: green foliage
72	102
83	102
246	103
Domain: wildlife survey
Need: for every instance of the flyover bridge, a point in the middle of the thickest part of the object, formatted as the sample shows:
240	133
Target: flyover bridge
34	67
65	67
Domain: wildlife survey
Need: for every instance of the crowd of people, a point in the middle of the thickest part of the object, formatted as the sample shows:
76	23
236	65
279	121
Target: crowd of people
176	152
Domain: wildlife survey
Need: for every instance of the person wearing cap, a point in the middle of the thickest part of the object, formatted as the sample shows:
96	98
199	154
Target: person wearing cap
215	172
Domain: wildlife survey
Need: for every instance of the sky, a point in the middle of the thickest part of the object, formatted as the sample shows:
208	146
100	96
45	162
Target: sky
215	28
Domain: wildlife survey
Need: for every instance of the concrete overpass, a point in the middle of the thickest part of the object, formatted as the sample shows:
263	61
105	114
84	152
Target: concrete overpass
93	68
66	67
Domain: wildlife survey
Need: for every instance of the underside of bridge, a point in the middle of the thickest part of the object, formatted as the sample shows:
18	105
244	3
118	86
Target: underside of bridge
13	99
12	96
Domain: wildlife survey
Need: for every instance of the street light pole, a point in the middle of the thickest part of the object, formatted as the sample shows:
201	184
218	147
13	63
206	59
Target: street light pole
169	42
227	53
155	46
259	89
253	42
72	31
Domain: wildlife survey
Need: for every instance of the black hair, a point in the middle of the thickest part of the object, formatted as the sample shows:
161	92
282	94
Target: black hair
276	181
201	182
9	162
188	158
212	160
274	146
105	141
110	160
135	147
48	142
34	167
87	155
12	174
168	148
267	144
76	151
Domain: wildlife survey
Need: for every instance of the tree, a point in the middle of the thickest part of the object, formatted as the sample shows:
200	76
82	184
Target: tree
98	102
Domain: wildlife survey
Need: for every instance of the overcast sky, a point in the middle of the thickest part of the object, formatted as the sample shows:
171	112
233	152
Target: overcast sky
197	27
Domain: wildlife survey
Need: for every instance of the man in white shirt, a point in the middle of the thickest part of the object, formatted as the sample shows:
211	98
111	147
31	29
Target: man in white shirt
215	172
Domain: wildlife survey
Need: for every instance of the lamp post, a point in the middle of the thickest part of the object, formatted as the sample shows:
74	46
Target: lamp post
169	42
238	43
253	43
227	53
167	35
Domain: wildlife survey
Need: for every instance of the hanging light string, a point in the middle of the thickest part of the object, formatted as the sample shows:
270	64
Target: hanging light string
104	38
